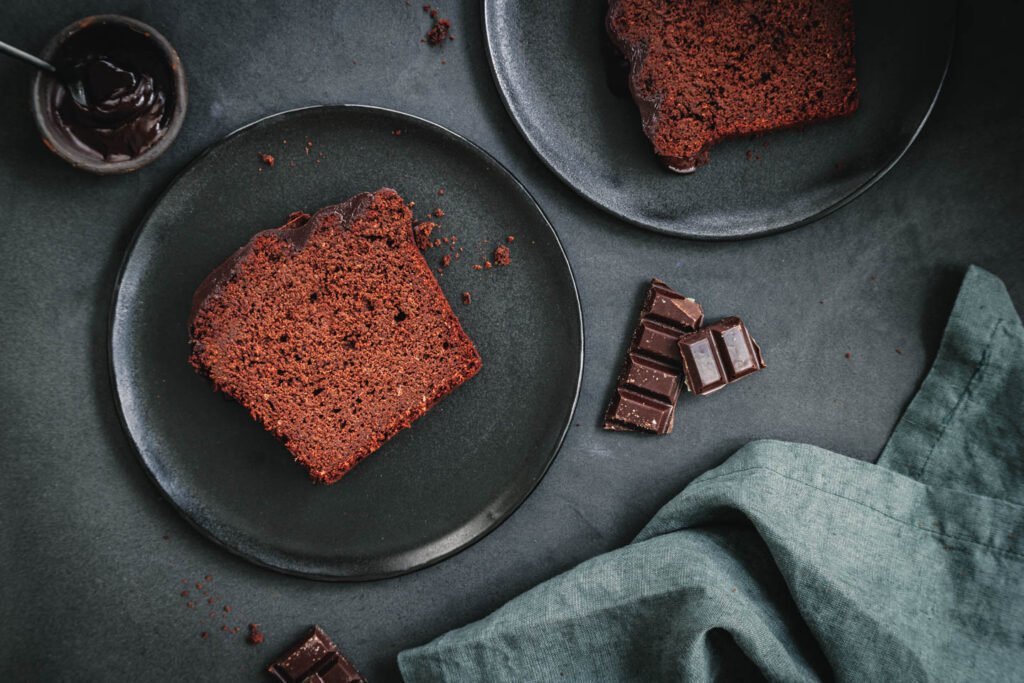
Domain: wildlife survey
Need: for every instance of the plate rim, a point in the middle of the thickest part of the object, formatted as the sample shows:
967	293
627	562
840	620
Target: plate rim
494	521
683	233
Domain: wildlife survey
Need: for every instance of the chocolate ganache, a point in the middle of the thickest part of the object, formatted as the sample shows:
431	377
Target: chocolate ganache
128	87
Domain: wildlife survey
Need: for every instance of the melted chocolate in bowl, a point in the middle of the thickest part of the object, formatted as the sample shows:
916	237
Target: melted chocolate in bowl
129	88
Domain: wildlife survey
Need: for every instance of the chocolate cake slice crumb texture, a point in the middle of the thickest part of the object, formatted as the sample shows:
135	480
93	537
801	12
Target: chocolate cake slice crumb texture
332	331
703	71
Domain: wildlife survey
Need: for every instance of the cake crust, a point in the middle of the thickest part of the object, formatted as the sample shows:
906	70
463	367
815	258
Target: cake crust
704	71
332	331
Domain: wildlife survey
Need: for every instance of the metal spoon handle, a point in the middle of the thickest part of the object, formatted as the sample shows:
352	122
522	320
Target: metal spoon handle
26	57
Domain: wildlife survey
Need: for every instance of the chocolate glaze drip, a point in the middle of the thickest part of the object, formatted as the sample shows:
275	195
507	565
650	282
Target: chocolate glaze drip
649	105
616	66
296	232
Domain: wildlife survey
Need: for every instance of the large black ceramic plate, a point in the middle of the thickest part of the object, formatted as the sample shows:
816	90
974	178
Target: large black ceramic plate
551	61
433	489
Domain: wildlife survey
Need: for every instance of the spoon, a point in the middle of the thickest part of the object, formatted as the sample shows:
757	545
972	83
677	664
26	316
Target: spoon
69	77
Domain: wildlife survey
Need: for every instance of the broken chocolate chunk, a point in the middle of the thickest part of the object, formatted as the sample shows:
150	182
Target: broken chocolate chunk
314	659
718	354
651	378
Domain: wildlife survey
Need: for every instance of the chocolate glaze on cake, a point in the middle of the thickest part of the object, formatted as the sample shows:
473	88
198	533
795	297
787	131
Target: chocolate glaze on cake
332	331
704	71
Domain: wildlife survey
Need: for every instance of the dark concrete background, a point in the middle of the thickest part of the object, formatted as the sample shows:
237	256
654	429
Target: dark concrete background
90	588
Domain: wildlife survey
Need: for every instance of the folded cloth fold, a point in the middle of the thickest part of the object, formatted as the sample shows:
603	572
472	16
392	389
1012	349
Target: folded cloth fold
789	562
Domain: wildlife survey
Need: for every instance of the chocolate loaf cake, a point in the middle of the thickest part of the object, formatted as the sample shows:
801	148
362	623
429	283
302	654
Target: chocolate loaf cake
332	331
702	71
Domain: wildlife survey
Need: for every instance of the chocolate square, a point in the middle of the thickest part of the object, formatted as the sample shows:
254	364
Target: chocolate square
703	367
314	659
735	347
718	354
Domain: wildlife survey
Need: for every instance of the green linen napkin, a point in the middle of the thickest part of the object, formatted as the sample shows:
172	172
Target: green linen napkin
790	562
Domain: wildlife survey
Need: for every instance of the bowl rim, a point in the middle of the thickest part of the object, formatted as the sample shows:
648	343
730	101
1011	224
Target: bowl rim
55	142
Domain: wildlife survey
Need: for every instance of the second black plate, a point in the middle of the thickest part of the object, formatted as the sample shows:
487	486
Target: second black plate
549	60
435	488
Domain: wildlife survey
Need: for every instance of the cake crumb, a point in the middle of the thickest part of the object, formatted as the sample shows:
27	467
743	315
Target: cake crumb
847	355
487	264
446	261
422	234
254	637
267	159
502	255
466	299
477	266
439	33
511	239
438	213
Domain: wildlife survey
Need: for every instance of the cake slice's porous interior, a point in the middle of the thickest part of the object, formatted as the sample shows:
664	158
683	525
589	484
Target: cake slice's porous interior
332	331
706	70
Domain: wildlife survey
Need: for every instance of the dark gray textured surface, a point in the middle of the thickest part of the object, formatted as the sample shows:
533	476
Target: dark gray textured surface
90	589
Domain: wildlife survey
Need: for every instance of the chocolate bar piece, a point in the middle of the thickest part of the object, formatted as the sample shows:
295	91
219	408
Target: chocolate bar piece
651	378
718	354
314	660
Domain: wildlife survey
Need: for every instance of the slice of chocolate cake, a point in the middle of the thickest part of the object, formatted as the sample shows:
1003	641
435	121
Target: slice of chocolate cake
702	71
332	331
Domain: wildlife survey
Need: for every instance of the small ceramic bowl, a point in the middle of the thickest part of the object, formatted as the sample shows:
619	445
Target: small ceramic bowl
114	28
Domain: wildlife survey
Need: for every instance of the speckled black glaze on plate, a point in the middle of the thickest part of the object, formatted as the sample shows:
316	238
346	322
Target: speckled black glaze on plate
555	84
433	489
